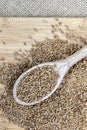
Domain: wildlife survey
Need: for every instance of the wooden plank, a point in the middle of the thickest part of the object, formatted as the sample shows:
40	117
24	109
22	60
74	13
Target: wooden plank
21	33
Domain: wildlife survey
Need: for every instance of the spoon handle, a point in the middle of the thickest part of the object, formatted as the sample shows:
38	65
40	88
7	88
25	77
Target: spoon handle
79	55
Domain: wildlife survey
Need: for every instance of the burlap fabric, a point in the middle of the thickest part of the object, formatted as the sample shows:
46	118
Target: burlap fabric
61	8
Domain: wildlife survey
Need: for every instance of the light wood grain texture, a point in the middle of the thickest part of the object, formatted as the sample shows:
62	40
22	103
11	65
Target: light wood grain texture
21	33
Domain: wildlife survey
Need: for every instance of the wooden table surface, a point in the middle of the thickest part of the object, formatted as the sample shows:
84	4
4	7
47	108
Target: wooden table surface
21	33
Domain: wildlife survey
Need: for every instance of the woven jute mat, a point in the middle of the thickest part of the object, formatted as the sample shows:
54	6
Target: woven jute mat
61	8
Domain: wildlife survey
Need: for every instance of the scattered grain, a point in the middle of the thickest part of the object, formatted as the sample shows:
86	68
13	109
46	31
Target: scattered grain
30	37
56	19
66	108
25	43
67	27
60	23
4	43
2	58
35	29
